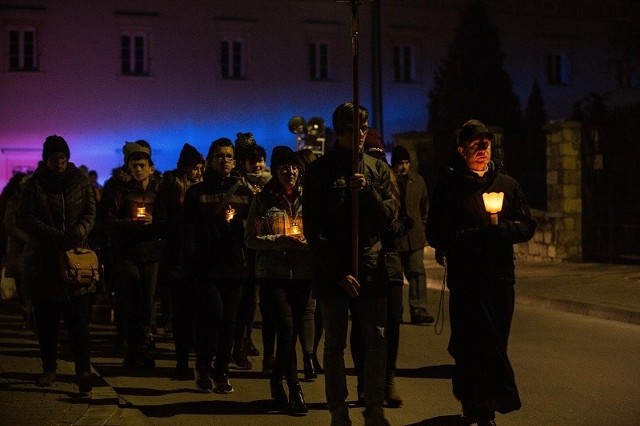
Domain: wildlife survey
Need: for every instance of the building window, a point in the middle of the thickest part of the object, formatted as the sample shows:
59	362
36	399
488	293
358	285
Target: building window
134	53
22	49
318	61
404	64
558	69
232	59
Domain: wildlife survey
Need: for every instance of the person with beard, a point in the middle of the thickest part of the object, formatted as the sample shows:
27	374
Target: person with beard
57	212
477	253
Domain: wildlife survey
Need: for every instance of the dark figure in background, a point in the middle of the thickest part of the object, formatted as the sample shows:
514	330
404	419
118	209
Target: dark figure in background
7	192
137	245
395	280
414	205
312	318
214	251
58	210
283	266
14	260
171	276
255	175
480	266
329	184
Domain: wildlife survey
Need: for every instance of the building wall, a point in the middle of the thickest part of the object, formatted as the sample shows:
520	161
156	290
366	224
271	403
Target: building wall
80	93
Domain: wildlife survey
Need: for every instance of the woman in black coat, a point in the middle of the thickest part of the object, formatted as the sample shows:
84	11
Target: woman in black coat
57	212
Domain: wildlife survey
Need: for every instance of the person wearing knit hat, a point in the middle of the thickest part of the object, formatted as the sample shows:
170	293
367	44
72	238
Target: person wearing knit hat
283	156
131	147
373	145
399	154
55	144
189	157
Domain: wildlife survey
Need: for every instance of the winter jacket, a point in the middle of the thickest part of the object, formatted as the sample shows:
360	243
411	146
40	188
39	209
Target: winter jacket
213	246
414	204
327	221
271	216
478	254
57	211
131	240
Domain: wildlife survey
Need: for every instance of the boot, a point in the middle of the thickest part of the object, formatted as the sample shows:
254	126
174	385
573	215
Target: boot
277	392
316	364
47	379
251	348
296	400
391	395
310	374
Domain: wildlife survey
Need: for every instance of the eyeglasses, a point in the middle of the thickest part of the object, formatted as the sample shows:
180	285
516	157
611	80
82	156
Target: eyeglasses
224	157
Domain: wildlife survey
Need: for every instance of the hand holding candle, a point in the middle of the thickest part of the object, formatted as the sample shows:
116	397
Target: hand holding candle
493	204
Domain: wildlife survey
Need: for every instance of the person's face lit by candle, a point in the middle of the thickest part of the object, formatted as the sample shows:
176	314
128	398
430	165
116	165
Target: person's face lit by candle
476	153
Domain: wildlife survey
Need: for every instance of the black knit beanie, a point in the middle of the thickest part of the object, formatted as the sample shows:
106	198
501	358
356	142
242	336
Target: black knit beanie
282	155
53	144
189	156
399	154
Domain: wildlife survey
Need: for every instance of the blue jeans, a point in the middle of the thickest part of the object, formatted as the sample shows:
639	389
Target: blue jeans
371	317
413	266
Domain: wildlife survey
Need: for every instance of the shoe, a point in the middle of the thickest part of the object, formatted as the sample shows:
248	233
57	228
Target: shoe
340	416
296	400
391	396
47	379
267	366
241	361
316	364
203	381
421	317
277	392
375	417
85	382
251	349
222	385
310	374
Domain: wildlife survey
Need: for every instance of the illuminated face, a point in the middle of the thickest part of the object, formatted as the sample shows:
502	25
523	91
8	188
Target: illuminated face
288	175
140	170
57	162
194	173
401	168
255	166
223	160
476	153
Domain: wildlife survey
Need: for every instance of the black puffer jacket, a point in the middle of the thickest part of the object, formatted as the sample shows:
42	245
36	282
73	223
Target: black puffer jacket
212	246
478	254
327	221
57	211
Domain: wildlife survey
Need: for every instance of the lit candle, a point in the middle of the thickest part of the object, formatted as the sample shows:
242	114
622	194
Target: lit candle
141	211
295	229
493	204
229	213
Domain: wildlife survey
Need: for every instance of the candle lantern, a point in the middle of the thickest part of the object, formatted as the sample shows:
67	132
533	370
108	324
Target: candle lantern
294	229
493	204
229	213
141	211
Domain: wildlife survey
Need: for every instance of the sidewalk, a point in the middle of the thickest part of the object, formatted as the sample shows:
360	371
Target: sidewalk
594	289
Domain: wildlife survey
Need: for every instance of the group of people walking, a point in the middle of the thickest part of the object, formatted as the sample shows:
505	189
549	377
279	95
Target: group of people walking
222	231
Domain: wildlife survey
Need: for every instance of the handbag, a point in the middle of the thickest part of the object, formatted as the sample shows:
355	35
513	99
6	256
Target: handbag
7	286
79	266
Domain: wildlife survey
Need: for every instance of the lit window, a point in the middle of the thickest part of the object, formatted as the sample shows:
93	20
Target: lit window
403	64
558	69
22	49
318	61
232	59
134	54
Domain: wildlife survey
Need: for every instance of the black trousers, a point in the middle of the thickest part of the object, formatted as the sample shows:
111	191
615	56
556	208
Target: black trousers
217	308
76	313
290	300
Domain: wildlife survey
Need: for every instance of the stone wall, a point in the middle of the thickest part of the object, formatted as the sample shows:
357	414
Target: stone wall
558	237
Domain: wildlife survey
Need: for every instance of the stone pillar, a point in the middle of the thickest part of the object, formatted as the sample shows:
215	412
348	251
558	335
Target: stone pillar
564	188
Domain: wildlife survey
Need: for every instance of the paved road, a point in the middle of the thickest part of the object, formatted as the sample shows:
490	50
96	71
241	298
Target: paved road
571	369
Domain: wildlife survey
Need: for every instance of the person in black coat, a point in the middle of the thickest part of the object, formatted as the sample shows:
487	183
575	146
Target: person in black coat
57	212
479	258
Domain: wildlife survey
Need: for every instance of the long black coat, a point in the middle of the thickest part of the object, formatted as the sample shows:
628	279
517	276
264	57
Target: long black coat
58	212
